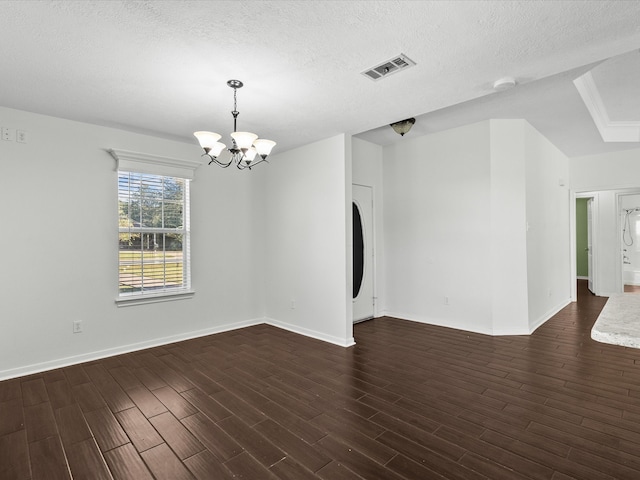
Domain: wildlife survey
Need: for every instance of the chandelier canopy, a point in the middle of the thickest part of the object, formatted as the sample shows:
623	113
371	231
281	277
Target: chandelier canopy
245	146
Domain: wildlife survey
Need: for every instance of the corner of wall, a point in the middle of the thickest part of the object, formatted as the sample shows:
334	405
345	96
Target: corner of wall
348	341
549	232
306	239
536	323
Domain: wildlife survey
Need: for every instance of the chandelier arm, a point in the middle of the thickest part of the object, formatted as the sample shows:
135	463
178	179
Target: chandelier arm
239	163
237	156
223	165
216	161
251	165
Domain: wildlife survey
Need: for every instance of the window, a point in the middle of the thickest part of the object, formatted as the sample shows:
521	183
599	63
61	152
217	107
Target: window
153	229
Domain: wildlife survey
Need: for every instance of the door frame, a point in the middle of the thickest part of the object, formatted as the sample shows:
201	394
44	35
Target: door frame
374	249
591	207
619	265
594	243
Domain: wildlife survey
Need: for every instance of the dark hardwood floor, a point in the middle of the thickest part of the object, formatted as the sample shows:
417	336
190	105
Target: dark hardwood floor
409	401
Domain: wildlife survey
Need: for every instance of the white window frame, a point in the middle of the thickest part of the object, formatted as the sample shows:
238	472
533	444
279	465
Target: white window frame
136	162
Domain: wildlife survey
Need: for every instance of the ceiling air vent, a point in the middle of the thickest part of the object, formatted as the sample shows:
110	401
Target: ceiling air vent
386	68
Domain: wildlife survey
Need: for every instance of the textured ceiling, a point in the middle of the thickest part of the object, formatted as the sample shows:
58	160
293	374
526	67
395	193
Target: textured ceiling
161	67
552	105
618	82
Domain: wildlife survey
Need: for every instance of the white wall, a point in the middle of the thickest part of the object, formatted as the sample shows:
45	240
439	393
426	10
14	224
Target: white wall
436	228
59	248
307	240
603	177
367	170
549	272
608	171
507	273
456	207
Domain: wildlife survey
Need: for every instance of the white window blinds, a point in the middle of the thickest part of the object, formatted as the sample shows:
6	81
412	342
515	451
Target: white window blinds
153	228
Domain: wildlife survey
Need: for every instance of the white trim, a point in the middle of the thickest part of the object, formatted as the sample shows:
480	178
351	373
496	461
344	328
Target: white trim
547	316
110	352
573	291
620	283
170	293
374	247
594	243
137	299
310	333
372	241
157	342
608	294
611	131
436	322
494	333
154	164
593	226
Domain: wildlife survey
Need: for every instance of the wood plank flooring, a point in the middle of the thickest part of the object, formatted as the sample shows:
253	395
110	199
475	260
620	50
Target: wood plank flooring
409	401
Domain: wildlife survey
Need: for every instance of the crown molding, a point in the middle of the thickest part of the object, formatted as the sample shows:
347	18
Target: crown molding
154	164
610	131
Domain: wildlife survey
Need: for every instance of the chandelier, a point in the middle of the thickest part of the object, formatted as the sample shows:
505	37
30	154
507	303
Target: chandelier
245	146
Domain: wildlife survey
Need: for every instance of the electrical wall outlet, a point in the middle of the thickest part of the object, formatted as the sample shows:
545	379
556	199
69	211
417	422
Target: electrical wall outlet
11	134
293	304
8	134
77	326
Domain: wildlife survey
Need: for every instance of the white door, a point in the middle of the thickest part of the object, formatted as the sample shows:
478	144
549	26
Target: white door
363	254
589	242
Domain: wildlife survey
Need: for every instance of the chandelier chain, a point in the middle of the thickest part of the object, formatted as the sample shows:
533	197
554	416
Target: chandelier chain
235	99
235	112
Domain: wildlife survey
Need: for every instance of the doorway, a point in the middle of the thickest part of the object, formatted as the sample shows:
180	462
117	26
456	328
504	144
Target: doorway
363	253
590	244
629	221
585	235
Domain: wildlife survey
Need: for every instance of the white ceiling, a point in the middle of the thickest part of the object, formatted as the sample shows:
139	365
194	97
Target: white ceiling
161	67
620	75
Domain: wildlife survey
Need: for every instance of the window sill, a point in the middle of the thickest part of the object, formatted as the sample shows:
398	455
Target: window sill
146	299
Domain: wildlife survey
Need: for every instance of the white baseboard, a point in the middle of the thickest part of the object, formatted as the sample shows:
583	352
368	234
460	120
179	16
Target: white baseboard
582	278
310	333
435	322
440	323
606	294
546	316
157	342
110	352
